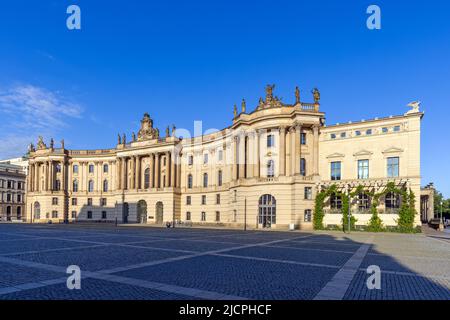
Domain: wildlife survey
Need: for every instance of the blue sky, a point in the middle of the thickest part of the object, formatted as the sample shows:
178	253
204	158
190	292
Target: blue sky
193	60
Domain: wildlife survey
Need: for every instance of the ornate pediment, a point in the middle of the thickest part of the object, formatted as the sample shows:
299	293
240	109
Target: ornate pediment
392	150
147	132
362	153
41	144
336	155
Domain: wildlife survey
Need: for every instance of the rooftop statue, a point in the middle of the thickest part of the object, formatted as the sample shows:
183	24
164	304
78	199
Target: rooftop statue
316	95
52	143
119	140
147	131
167	132
133	137
269	92
243	105
297	95
415	105
31	148
235	111
41	144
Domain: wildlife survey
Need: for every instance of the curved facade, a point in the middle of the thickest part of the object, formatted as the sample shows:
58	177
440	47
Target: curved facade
263	170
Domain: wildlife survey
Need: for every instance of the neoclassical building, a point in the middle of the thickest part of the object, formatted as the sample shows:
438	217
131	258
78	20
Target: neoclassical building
263	171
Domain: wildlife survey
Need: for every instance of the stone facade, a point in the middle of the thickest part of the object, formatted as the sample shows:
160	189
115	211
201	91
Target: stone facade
262	171
12	193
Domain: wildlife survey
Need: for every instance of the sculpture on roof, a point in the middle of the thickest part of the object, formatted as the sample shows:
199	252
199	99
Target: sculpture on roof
297	95
147	131
243	105
52	143
31	148
119	140
316	95
41	144
269	92
235	111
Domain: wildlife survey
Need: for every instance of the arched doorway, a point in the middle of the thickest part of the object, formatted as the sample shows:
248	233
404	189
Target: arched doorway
142	211
267	210
125	212
37	211
19	213
159	212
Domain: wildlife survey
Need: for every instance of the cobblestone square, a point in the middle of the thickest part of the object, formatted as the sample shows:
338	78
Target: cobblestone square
149	263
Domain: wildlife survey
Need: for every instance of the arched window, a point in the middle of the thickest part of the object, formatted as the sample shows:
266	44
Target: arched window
75	186
147	178
219	178
270	169
267	210
105	185
205	180
91	186
189	182
392	202
105	168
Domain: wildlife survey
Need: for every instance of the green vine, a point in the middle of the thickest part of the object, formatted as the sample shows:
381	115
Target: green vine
407	211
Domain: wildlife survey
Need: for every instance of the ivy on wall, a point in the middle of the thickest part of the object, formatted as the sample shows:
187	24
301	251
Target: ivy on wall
407	212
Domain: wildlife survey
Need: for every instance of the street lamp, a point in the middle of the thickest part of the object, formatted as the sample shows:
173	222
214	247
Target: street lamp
349	206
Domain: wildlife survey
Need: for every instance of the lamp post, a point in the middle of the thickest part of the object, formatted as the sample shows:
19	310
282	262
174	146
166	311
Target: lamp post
441	222
349	207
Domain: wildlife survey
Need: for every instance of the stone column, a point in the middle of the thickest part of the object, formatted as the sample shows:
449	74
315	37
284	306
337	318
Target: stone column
133	172
173	168
123	173
157	170
63	175
46	175
241	156
117	176
257	156
138	173
168	173
51	176
250	155
69	176
234	168
297	157
179	171
152	171
282	151
316	150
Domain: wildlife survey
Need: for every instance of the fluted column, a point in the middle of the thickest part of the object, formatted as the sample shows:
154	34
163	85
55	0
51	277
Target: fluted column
152	171
257	156
297	157
117	174
51	184
241	156
63	175
173	160
250	155
138	172
178	170
168	173
157	170
316	150
123	174
282	151
46	175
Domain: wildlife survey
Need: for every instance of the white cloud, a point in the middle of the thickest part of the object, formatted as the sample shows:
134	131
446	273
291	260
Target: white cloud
27	111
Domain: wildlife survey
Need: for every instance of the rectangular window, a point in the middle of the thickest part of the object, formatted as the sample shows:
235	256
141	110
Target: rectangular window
343	134
89	202
104	215
191	160
203	199
308	193
188	216
220	155
74	201
369	131
336	201
333	136
303	138
8	197
363	169
270	140
74	214
357	133
219	178
218	198
91	168
396	128
89	214
384	130
393	167
54	214
336	170
217	216
188	200
203	216
75	168
303	166
308	215
19	198
54	201
102	202
205	158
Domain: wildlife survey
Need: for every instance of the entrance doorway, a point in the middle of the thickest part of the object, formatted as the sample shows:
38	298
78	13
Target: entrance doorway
267	210
142	211
125	212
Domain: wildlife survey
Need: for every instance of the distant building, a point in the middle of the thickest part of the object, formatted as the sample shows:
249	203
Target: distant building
12	191
21	162
264	170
